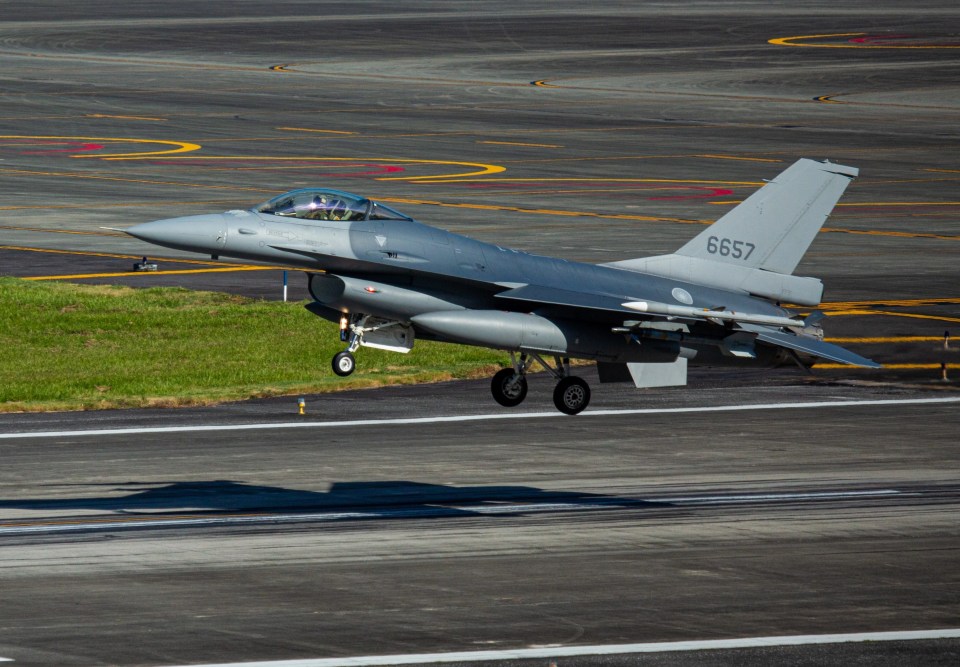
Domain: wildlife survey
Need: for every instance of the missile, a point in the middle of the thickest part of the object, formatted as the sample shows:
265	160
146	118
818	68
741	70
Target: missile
689	312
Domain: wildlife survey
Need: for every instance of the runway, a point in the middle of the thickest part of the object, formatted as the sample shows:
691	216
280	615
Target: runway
293	542
398	524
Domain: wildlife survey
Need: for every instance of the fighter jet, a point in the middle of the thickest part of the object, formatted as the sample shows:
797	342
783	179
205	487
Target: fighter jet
389	280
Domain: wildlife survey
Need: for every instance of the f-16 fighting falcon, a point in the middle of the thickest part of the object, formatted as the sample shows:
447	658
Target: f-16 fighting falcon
388	280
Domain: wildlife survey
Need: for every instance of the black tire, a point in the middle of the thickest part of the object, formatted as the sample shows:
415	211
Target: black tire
344	364
508	389
572	395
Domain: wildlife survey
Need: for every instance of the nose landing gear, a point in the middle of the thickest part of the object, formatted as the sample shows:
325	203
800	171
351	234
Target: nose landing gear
351	329
359	329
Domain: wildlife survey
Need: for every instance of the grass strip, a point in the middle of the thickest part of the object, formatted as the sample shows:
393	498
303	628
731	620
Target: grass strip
66	346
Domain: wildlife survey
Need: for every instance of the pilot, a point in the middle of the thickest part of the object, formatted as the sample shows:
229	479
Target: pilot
317	209
338	210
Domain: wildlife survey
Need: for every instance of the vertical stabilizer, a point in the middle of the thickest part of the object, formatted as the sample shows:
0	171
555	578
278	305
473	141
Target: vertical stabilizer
773	227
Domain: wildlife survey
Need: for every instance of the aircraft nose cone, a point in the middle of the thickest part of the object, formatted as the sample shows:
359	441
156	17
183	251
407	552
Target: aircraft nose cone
197	233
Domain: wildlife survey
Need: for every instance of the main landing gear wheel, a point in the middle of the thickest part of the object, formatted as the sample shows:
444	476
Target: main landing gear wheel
571	395
509	388
344	364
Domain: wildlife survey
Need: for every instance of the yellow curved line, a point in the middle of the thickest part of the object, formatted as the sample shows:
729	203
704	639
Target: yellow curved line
884	339
539	211
861	204
789	41
891	303
888	313
483	169
182	146
604	180
887	367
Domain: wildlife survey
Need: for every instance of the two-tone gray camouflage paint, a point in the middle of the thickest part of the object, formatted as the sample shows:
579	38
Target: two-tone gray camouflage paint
715	301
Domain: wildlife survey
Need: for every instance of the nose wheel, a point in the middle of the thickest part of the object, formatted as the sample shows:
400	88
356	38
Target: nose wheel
351	331
344	363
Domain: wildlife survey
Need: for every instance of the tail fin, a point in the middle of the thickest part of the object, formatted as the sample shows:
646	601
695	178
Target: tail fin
773	227
756	246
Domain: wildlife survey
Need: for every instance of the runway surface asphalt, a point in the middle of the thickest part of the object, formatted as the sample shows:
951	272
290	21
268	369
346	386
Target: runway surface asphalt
419	520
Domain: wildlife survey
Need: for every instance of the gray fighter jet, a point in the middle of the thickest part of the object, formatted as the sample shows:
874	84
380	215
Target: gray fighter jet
388	280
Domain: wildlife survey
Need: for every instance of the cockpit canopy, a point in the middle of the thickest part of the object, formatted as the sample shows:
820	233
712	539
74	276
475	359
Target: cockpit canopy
318	204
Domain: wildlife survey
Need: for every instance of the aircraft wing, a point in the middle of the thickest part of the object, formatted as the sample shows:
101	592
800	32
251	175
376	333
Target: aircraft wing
593	301
766	328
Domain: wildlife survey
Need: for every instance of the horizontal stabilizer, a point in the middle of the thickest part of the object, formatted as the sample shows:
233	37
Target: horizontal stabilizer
815	347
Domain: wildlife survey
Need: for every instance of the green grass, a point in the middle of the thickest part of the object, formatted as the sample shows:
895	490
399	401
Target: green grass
79	347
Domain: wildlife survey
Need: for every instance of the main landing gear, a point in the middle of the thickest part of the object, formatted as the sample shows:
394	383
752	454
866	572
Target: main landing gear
509	386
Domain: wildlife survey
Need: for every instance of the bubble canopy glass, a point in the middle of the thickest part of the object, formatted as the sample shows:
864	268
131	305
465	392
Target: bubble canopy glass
322	204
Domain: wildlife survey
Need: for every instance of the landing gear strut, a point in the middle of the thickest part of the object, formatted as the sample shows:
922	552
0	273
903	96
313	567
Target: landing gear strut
509	386
351	329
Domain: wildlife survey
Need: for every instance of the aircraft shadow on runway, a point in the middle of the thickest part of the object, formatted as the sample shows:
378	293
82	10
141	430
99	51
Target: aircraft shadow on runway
383	499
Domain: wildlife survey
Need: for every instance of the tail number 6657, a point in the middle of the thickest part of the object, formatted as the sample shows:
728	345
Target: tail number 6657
730	248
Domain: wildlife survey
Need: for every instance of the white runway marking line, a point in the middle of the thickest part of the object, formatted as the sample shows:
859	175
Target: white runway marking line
613	649
487	417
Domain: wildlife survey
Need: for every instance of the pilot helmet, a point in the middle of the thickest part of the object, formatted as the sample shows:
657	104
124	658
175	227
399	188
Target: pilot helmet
337	208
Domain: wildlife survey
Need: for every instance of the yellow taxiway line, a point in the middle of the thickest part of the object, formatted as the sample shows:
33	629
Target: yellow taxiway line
794	41
89	253
179	146
890	367
519	143
884	339
130	274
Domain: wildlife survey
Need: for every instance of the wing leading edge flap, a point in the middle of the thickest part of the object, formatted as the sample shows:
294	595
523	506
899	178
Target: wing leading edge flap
817	348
